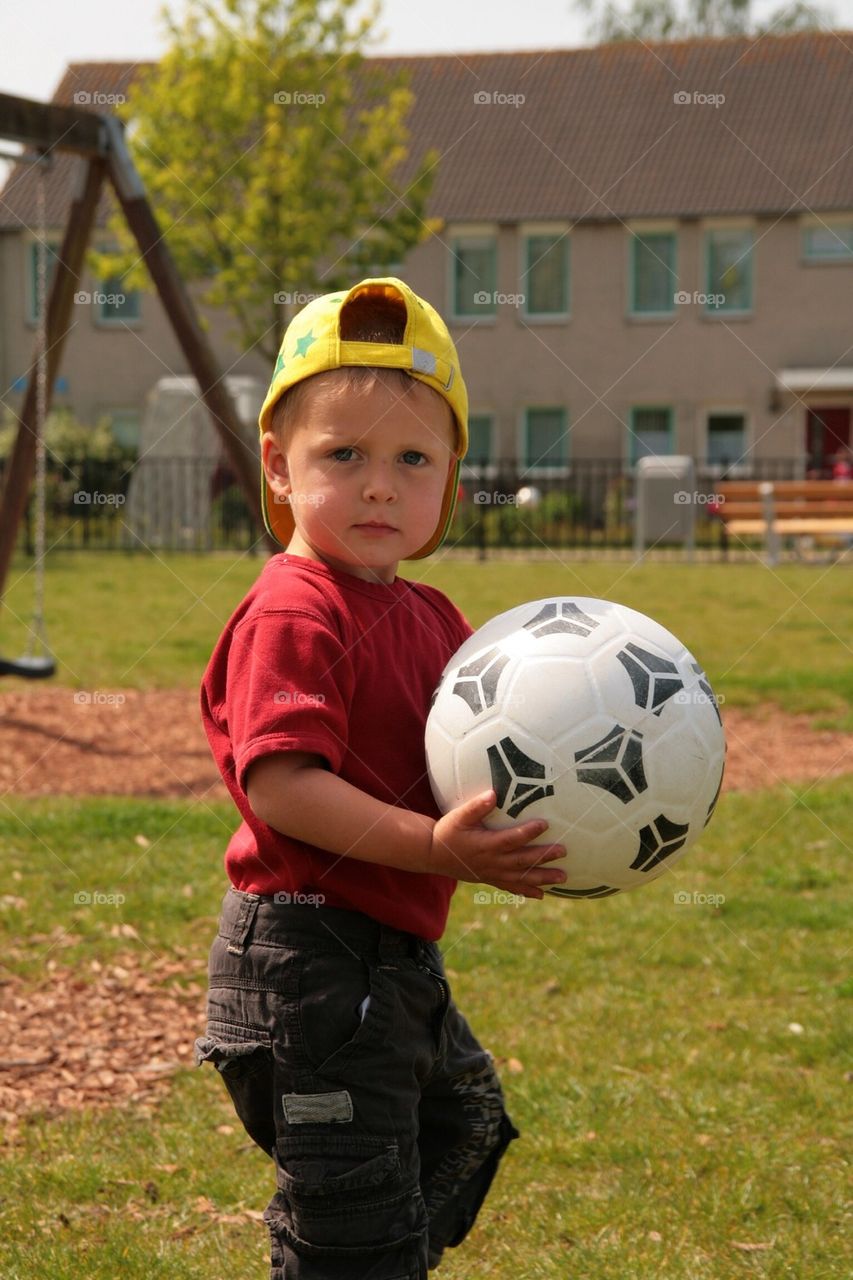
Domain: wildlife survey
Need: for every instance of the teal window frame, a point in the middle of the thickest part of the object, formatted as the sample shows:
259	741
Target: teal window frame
531	258
724	413
537	465
126	427
486	284
643	237
842	253
711	285
107	316
482	422
633	454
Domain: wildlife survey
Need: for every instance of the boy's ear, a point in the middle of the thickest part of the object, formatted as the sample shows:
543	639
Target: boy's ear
275	466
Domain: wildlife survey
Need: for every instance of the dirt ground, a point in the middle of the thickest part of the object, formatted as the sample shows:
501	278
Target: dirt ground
123	742
114	1034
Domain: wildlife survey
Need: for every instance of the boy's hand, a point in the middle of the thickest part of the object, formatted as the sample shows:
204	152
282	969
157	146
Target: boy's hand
466	850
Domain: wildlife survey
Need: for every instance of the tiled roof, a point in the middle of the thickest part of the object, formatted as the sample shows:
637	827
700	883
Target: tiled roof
18	201
598	133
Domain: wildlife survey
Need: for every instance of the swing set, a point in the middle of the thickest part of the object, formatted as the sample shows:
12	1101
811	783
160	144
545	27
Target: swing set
98	140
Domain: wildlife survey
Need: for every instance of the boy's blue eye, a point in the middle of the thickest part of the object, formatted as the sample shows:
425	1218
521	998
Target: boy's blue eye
414	453
344	449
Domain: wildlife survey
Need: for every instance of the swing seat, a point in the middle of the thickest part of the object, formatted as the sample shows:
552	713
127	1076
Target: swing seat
30	667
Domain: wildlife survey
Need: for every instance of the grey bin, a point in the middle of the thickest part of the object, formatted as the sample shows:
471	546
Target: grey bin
665	502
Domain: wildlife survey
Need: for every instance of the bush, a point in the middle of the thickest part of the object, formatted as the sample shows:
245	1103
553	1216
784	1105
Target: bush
506	524
69	440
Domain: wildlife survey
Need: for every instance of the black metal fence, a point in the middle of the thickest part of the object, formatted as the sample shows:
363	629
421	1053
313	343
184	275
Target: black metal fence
193	504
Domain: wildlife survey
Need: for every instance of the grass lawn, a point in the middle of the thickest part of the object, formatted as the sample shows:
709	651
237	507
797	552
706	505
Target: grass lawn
786	634
677	1068
676	1124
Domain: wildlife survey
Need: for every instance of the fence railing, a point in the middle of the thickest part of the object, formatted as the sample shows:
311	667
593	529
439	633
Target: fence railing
193	504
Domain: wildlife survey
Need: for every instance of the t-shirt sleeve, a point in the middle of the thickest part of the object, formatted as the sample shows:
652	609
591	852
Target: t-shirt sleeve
289	684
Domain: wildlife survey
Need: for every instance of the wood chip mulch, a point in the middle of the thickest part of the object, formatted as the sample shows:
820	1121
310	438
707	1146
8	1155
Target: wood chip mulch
126	742
108	1037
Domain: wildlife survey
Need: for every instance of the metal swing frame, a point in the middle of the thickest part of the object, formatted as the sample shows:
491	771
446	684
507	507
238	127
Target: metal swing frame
99	140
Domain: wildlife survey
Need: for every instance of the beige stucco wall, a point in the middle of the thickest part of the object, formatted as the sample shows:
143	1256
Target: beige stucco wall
602	361
597	364
108	367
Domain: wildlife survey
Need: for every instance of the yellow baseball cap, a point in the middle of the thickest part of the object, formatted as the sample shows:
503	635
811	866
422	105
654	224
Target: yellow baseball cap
312	344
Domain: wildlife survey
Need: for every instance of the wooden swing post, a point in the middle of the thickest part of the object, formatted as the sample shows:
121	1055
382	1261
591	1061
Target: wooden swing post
100	139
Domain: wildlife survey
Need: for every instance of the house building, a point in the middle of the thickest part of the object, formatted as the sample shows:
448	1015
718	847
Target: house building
641	248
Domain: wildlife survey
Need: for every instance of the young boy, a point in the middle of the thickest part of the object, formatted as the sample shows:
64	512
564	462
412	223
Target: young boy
330	1017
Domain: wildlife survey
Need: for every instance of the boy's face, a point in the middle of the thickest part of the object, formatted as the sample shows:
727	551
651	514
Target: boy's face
365	474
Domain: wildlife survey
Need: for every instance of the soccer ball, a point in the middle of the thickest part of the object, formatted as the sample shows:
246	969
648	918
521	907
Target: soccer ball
593	717
528	496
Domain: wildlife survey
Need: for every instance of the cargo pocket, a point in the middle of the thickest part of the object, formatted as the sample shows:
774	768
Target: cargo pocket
345	1208
341	1007
243	1057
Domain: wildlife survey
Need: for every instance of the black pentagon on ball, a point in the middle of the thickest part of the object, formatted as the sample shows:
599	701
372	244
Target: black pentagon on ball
516	778
477	682
614	763
658	841
599	891
654	677
708	692
712	806
561	615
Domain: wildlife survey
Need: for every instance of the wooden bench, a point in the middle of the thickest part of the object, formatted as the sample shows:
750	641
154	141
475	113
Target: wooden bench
776	508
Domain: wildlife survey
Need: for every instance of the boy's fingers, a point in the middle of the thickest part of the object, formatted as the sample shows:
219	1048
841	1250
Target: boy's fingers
475	808
521	837
537	855
546	852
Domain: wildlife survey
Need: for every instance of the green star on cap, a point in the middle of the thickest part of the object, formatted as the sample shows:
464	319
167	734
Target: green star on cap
279	365
303	343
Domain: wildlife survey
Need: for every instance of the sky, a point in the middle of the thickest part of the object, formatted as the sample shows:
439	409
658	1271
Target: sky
38	38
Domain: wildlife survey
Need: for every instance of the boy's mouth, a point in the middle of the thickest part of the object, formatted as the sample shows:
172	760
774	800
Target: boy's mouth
376	526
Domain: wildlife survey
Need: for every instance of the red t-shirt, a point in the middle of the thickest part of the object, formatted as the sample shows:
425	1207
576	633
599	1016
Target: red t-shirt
317	660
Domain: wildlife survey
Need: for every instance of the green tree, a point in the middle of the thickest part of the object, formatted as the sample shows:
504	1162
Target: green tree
666	20
272	153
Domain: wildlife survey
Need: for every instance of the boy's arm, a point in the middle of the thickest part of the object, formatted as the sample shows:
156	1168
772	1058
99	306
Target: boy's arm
295	794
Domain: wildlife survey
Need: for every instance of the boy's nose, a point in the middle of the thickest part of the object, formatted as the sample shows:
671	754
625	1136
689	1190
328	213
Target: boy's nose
379	485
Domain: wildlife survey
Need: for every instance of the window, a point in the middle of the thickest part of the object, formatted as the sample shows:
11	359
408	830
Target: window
729	270
726	437
32	277
115	304
546	441
650	432
829	242
545	274
479	439
474	264
125	425
654	276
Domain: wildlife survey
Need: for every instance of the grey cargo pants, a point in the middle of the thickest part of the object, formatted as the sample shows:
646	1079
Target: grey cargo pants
349	1064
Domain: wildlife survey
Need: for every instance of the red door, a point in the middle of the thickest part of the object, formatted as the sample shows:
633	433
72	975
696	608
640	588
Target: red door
827	434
